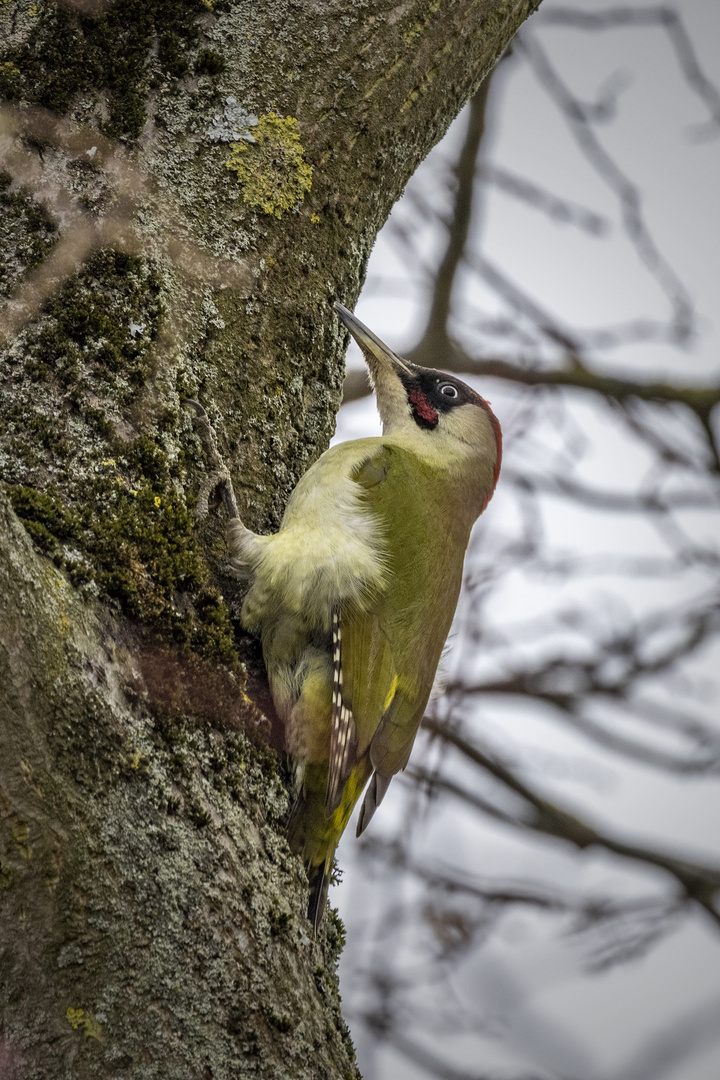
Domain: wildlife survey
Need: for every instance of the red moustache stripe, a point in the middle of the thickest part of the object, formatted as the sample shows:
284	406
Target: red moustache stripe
421	405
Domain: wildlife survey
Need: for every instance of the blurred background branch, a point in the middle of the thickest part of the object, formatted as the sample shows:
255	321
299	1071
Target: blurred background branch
559	256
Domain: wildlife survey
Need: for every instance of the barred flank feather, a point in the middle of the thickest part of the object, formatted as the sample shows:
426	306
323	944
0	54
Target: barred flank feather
343	738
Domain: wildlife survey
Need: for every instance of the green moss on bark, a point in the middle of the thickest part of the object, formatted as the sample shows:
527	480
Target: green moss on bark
209	62
98	329
138	546
70	52
28	233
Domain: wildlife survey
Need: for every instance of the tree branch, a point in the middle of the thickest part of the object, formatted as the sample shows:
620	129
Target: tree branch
700	883
436	331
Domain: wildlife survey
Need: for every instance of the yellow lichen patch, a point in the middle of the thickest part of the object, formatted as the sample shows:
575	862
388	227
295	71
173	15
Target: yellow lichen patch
385	77
418	27
78	1018
272	171
427	81
21	836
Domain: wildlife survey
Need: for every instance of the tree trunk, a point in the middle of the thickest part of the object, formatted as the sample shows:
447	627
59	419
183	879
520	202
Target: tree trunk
188	187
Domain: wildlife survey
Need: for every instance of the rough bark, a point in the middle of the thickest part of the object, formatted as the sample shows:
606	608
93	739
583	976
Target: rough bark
152	918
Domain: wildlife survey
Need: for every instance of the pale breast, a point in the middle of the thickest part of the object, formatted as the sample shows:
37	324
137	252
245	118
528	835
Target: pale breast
329	549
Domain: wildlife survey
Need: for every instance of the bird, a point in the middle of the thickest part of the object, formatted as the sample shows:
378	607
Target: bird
354	596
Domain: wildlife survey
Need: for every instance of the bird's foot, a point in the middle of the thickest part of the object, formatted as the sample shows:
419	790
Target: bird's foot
219	474
244	545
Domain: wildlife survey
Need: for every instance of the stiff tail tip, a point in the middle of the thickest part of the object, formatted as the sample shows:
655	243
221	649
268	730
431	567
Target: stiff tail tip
318	877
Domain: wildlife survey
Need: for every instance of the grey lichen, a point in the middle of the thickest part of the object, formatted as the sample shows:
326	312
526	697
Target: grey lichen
232	124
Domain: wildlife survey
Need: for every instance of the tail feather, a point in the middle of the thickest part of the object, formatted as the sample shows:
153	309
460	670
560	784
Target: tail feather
300	837
313	836
295	828
319	879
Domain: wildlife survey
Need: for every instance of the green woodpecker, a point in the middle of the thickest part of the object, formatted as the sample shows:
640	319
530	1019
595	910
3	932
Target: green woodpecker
354	596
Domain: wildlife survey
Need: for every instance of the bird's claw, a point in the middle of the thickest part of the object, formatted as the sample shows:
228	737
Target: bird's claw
219	471
195	406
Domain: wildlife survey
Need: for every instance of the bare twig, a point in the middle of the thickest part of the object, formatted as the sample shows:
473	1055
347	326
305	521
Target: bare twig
665	17
700	883
436	335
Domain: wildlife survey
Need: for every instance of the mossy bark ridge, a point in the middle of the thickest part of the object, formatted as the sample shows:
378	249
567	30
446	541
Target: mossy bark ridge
187	187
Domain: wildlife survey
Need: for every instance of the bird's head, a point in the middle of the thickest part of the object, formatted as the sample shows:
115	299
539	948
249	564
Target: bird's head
446	415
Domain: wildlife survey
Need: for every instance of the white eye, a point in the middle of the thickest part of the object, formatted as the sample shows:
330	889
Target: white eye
448	390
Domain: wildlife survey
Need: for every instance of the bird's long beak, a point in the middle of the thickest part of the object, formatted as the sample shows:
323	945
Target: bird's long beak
371	345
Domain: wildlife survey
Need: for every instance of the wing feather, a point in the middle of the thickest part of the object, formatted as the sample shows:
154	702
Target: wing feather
391	648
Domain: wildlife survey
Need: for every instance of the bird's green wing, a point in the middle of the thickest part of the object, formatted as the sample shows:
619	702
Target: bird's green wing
390	647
